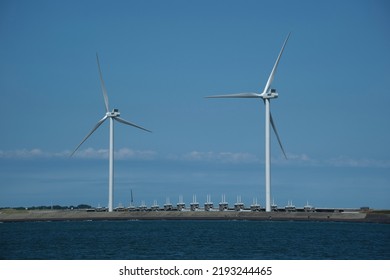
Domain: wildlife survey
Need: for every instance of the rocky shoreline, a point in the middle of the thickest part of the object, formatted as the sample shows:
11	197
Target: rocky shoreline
78	215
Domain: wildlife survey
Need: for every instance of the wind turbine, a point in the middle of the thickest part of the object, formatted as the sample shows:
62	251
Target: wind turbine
266	95
111	115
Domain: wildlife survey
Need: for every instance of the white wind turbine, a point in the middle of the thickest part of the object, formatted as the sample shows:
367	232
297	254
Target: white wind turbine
112	115
266	95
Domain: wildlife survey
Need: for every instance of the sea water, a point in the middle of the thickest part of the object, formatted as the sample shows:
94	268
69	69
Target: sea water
194	240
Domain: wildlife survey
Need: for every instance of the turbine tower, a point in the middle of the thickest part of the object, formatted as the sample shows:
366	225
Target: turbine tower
112	115
266	95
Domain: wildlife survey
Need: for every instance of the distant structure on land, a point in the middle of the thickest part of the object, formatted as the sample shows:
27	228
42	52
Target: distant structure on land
255	206
180	205
223	205
168	205
238	206
194	205
290	207
209	205
155	206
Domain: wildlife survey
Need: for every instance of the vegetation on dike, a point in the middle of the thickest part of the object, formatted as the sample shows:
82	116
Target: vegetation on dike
43	207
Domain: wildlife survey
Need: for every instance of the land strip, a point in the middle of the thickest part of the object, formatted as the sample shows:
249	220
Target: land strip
79	215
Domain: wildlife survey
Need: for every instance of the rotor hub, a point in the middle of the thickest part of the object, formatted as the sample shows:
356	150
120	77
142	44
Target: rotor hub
270	94
114	113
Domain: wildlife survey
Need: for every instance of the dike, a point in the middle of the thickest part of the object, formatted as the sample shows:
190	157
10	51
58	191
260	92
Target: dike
78	215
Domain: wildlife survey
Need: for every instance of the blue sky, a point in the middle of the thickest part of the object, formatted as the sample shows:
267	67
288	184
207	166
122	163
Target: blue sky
159	59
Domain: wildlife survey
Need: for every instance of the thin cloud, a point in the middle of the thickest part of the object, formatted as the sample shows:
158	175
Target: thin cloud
344	161
226	157
126	153
296	159
121	154
197	156
89	153
23	154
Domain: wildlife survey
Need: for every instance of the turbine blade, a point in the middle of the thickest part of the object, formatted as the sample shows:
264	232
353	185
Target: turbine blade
277	135
237	95
271	76
89	134
129	123
105	96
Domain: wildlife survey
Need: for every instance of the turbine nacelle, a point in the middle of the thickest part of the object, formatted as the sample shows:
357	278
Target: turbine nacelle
270	94
113	114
